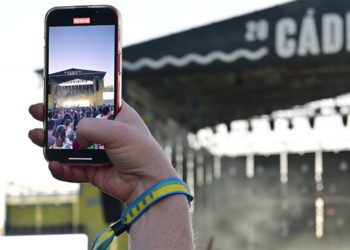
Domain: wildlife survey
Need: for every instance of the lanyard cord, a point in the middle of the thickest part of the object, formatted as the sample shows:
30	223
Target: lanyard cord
158	191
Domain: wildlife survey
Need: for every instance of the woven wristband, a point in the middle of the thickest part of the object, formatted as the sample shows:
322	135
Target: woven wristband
158	191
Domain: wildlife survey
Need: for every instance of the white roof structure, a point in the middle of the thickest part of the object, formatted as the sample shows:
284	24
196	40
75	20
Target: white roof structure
292	131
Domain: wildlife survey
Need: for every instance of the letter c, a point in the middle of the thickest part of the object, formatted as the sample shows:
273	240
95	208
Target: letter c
285	45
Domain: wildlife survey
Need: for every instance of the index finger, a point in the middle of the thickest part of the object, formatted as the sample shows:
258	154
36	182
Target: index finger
37	111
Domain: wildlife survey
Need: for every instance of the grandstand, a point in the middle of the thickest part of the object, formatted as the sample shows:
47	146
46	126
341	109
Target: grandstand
76	87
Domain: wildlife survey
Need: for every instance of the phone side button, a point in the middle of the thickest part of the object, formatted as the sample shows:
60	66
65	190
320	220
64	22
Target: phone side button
119	61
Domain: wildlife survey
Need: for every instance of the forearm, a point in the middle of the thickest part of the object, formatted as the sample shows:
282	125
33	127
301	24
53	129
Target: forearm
165	225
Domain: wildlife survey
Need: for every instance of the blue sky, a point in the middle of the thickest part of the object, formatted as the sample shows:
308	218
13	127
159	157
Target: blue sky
83	47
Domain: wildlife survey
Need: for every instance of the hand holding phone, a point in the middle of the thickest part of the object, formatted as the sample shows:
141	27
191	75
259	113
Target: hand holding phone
82	78
137	160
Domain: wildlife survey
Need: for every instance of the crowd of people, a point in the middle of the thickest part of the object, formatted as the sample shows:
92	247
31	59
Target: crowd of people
62	125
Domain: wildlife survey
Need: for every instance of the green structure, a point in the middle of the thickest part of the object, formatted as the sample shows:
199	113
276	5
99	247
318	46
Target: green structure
80	212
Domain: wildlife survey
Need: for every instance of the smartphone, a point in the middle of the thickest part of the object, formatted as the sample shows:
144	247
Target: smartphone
82	77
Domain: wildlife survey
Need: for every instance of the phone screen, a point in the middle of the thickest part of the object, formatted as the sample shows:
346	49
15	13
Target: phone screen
81	76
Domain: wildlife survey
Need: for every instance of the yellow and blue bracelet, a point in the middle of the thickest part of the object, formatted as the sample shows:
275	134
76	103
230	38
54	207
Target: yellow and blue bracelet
158	191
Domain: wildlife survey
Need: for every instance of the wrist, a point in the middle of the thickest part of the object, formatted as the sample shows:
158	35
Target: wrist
144	183
157	197
170	213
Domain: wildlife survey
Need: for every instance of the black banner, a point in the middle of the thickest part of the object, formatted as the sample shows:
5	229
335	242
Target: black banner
299	32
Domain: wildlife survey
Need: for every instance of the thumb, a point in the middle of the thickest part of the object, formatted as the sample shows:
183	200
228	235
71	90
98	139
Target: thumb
101	131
